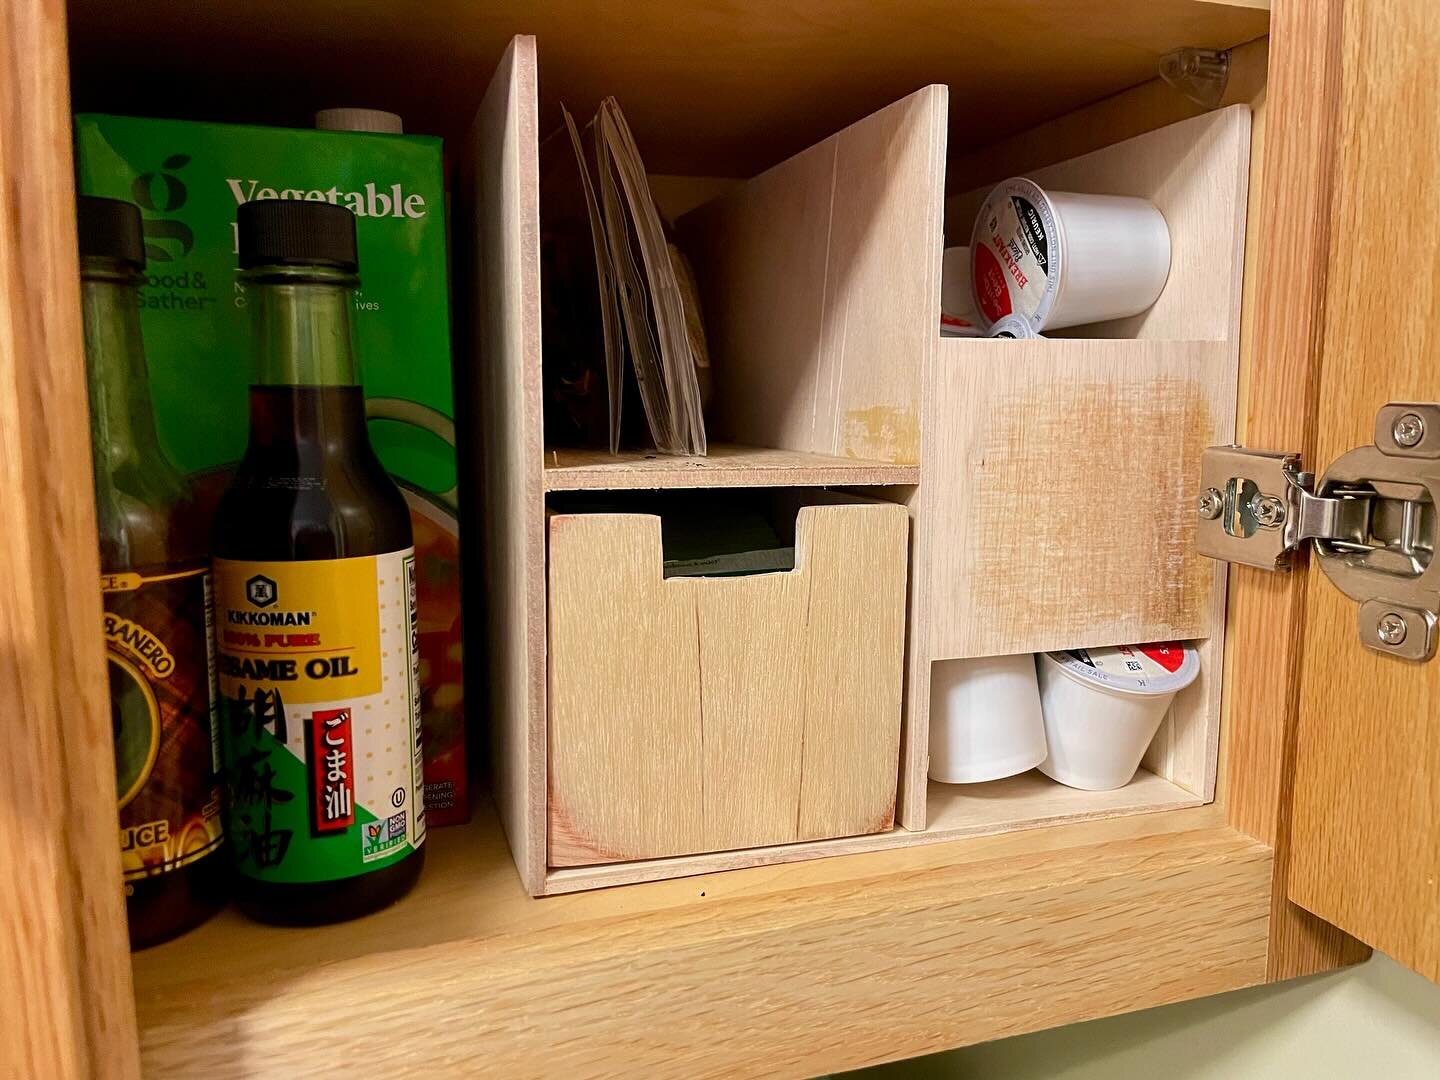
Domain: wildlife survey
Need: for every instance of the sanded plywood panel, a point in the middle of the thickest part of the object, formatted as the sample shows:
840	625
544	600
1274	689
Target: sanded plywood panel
754	719
499	197
724	465
626	749
820	283
855	641
1197	172
1059	488
700	714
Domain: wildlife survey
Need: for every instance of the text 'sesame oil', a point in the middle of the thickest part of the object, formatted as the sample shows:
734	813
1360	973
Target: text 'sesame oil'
315	601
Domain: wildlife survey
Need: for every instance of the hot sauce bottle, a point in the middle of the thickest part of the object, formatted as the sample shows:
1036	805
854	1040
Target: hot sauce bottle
155	580
315	585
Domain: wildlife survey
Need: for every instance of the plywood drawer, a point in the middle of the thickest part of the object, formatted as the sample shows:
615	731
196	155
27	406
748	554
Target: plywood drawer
706	713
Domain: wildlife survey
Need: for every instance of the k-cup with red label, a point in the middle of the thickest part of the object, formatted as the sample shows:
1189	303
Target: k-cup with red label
1103	706
1057	258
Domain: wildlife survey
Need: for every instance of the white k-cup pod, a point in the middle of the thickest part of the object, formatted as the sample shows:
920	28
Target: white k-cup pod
1057	258
1012	326
984	719
1103	706
959	317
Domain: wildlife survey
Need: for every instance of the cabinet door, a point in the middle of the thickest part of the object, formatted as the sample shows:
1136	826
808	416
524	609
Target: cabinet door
1365	831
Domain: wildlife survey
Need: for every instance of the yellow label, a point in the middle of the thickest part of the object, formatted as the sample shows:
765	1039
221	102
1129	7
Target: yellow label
312	628
320	714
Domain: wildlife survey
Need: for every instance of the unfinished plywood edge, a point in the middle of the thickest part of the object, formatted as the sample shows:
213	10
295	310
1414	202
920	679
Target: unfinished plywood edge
502	169
726	465
955	811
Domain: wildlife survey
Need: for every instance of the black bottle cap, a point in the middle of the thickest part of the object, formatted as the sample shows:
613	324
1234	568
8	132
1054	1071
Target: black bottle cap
110	229
293	232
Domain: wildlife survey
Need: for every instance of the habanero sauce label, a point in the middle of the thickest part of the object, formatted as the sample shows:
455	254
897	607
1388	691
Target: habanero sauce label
1012	257
320	715
158	648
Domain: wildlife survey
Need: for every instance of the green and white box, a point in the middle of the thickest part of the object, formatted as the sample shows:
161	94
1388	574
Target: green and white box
188	178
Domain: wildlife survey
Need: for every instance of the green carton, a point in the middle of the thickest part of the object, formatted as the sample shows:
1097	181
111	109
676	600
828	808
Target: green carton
188	178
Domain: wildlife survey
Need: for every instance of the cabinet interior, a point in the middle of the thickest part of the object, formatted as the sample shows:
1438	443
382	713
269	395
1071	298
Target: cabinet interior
718	97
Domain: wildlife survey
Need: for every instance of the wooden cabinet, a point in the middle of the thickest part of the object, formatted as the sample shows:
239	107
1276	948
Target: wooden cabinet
984	913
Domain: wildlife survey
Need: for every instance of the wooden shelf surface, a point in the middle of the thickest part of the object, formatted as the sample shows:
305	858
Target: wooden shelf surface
823	965
725	466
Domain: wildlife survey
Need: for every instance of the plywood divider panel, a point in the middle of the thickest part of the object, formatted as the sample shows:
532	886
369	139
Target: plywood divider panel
695	714
1197	173
820	284
568	469
1060	473
499	196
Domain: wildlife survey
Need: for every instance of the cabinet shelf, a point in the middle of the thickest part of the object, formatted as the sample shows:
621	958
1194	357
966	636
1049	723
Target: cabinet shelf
726	465
468	967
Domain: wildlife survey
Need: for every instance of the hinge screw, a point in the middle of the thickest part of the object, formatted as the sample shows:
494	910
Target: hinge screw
1408	430
1268	510
1391	627
1210	503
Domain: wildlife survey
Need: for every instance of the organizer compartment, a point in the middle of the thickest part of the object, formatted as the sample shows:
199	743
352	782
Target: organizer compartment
816	280
696	714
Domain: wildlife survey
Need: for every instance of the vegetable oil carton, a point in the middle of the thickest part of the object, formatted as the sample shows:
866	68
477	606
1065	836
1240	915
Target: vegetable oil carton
188	178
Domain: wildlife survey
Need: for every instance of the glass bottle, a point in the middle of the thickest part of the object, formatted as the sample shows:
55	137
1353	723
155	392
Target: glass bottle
155	579
320	722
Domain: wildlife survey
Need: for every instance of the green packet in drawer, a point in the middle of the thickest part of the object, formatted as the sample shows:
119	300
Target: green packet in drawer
188	178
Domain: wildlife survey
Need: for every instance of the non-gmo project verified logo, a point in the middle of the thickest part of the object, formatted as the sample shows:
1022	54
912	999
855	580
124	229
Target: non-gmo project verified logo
261	591
378	838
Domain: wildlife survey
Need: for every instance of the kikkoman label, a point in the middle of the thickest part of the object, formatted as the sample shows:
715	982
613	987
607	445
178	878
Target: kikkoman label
157	644
320	715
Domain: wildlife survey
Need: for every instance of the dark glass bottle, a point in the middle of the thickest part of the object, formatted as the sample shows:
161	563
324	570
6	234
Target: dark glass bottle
155	577
314	577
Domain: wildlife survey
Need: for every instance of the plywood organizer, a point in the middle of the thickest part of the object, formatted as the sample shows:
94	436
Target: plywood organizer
1047	482
797	916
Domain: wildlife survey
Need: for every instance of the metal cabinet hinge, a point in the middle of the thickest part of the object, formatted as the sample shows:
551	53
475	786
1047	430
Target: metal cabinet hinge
1371	519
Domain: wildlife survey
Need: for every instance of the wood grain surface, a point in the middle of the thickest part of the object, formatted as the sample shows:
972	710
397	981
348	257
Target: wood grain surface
777	971
696	714
724	465
64	956
1197	172
1285	303
955	811
1061	471
499	196
820	283
1365	833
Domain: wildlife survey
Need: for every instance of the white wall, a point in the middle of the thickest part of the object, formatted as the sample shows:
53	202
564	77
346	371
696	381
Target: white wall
1376	1020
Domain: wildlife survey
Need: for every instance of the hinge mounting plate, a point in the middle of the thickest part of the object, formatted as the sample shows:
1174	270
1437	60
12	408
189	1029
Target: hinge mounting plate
1372	518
